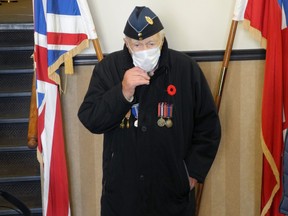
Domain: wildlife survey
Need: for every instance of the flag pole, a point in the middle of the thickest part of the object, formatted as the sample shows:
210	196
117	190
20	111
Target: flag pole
225	63
97	48
33	117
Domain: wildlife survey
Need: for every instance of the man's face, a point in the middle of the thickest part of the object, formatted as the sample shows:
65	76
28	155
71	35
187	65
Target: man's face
148	43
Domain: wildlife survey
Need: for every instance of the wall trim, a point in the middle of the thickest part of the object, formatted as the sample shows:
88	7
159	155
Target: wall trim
16	26
199	56
236	55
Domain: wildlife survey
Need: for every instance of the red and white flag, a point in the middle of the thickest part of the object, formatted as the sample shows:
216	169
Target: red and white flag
267	18
62	30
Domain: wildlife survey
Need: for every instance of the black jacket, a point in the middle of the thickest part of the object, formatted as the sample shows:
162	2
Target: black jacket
146	168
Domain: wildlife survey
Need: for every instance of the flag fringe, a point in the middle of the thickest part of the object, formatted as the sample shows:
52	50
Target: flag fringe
256	34
67	59
276	173
39	157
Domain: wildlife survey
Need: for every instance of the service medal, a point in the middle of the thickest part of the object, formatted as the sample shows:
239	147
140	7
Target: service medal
122	125
135	110
169	123
169	115
128	124
161	122
136	123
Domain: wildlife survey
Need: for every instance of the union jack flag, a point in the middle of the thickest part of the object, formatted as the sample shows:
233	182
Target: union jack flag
62	30
269	19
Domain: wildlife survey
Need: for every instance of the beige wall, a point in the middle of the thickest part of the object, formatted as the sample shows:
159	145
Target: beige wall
233	184
84	150
189	25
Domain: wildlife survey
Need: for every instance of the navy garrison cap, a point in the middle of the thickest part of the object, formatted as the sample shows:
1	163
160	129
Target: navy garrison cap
142	23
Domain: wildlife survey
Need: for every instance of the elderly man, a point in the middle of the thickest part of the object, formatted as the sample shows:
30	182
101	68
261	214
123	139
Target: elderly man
161	128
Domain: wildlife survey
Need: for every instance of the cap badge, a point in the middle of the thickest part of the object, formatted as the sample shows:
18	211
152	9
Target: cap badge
149	20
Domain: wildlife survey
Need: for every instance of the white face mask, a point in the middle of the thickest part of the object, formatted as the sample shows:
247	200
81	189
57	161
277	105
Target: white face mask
146	59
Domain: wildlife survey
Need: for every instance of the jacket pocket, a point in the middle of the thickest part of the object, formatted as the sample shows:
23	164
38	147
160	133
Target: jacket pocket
184	178
112	178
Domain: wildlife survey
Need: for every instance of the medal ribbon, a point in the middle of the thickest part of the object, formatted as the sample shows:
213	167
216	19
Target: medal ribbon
170	110
165	110
135	110
161	110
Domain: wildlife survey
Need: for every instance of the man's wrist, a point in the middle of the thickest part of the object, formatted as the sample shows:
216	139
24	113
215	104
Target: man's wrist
128	98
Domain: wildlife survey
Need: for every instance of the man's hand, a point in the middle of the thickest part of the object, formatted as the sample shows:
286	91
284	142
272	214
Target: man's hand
192	182
132	78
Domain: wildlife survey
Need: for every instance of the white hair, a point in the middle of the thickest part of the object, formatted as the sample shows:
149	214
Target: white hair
161	33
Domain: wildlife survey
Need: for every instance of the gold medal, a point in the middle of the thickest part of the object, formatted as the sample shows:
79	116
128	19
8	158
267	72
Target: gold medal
169	123
127	117
122	125
161	122
127	124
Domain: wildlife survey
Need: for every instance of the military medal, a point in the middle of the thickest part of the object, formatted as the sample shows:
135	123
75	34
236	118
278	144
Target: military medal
169	122
126	118
161	121
136	123
165	112
122	125
135	110
127	122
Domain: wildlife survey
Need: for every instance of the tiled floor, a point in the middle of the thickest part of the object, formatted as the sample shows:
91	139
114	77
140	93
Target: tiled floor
16	12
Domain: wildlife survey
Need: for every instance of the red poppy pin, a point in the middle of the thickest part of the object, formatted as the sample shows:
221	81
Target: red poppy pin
171	90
